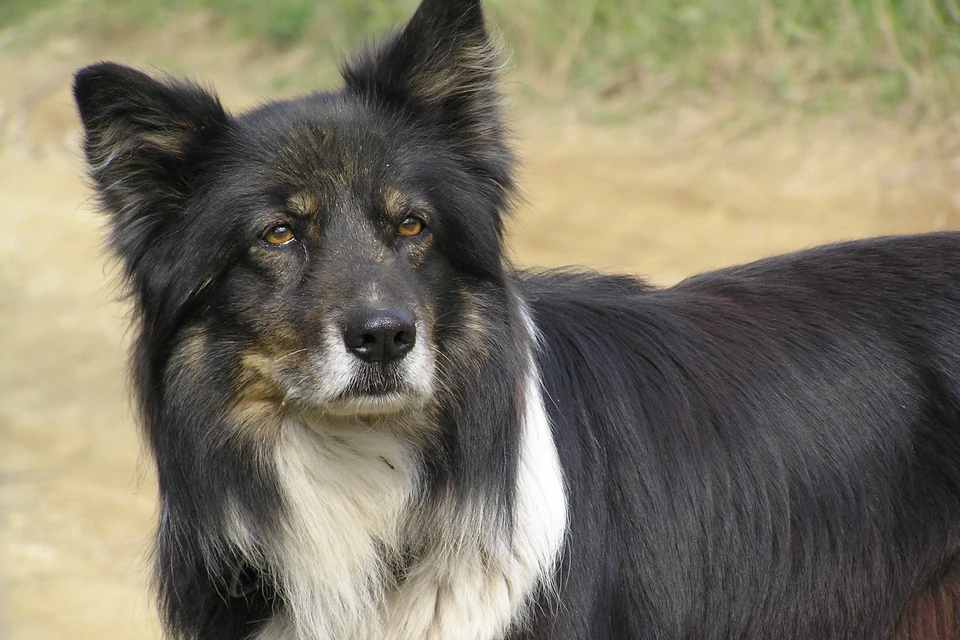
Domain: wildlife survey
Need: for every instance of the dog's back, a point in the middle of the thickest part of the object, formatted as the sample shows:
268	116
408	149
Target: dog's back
775	446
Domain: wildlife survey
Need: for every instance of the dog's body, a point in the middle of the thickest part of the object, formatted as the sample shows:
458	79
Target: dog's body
366	426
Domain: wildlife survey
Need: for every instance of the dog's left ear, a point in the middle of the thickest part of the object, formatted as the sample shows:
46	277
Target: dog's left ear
442	68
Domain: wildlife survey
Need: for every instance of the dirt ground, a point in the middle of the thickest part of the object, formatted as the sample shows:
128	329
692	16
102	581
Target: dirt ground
664	196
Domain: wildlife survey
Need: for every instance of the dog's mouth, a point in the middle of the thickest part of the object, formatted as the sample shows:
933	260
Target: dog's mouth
376	389
378	403
369	391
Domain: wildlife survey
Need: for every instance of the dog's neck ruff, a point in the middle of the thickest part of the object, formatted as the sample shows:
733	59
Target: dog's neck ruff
353	509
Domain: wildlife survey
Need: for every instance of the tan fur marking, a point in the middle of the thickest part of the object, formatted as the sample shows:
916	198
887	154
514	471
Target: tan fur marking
418	252
303	203
187	365
259	407
189	355
172	142
932	614
439	78
476	330
397	205
395	202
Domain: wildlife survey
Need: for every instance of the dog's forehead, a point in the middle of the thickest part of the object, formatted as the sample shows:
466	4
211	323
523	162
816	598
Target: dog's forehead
324	142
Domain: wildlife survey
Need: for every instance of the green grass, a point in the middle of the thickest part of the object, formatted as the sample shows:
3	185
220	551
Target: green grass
810	52
334	23
14	11
886	51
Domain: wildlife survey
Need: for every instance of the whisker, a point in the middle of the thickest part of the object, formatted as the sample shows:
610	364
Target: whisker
290	355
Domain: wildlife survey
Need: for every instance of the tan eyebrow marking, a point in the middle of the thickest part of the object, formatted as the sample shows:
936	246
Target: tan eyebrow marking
303	203
395	202
397	205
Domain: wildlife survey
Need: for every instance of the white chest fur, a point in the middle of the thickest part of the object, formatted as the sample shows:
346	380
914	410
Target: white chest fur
350	500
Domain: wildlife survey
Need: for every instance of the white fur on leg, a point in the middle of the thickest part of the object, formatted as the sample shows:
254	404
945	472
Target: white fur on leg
477	584
474	585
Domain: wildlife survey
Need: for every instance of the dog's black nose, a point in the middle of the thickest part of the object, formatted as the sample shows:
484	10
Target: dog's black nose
380	335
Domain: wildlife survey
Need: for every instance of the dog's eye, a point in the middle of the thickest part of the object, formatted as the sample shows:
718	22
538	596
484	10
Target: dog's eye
279	235
411	226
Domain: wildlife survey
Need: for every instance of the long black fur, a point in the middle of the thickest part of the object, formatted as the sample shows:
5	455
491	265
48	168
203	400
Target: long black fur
771	450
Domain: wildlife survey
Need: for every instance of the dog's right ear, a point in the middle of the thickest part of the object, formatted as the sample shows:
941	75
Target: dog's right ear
442	67
145	140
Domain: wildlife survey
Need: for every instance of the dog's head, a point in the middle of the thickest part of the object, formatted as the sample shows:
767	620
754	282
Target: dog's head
329	252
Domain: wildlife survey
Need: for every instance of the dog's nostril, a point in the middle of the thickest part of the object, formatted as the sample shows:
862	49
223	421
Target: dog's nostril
380	335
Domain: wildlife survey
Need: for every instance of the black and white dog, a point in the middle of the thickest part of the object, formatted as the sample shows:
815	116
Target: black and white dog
366	425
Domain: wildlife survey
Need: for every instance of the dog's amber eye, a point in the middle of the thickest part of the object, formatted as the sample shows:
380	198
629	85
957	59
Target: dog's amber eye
411	226
278	235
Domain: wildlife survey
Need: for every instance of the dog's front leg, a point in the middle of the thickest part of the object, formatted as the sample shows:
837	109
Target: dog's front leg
467	596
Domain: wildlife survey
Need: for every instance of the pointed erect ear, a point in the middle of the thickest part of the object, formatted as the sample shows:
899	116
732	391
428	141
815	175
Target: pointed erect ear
442	68
144	141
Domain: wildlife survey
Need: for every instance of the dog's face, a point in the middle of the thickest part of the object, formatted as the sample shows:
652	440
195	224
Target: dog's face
327	252
340	255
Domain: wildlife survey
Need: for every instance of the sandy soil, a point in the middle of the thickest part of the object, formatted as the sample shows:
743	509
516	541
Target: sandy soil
665	196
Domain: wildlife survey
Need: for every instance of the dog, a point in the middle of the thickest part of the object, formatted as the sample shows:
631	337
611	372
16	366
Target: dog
367	425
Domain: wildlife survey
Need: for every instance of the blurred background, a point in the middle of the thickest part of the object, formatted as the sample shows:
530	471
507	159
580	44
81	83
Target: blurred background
659	137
